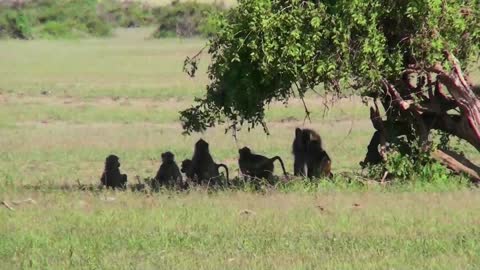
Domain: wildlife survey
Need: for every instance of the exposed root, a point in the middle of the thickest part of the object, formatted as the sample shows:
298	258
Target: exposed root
457	163
29	200
4	203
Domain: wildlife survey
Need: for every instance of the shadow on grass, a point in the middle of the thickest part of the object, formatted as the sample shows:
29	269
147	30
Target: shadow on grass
346	182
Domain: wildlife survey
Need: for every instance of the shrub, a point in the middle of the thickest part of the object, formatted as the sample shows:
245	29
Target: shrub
55	29
78	18
53	18
414	164
15	24
125	14
185	19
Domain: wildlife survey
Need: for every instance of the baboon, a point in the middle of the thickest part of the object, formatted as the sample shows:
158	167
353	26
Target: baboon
168	174
310	155
111	176
187	169
201	168
299	149
319	163
257	166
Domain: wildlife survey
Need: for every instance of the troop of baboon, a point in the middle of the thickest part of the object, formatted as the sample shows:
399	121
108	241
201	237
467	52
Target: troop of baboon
310	160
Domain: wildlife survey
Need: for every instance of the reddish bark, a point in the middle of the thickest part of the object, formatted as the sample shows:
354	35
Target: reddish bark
426	105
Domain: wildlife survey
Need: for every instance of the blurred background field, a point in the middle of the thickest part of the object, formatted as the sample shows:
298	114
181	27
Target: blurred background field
75	102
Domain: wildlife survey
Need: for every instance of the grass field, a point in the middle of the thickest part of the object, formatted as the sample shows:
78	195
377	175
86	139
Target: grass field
66	105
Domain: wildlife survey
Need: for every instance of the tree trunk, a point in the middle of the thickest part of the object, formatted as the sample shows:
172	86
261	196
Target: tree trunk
425	106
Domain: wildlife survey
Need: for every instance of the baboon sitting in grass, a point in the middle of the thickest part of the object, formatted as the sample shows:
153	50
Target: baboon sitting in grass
201	168
168	175
111	177
310	155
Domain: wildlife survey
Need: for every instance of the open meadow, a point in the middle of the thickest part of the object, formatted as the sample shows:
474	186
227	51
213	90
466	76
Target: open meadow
65	105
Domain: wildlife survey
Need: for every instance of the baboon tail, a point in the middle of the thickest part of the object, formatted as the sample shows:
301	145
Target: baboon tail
226	170
281	164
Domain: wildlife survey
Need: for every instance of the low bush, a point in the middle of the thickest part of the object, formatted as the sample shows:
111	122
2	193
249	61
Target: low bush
80	18
53	19
185	19
126	13
15	24
414	163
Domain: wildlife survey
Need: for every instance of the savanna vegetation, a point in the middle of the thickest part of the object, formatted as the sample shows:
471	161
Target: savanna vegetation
67	104
61	19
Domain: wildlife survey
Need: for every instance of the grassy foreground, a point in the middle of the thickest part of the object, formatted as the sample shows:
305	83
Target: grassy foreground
66	105
361	230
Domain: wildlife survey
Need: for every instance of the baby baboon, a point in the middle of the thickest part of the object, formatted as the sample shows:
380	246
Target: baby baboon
111	176
257	166
309	154
169	174
187	168
201	167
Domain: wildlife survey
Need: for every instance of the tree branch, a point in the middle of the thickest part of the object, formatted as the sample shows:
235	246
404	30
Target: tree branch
457	163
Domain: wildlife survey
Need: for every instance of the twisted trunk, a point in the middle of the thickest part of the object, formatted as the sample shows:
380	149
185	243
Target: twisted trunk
425	104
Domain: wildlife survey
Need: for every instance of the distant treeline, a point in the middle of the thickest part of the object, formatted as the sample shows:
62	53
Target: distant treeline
23	19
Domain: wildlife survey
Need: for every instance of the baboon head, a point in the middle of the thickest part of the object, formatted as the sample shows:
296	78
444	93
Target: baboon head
168	157
306	138
201	145
245	151
112	162
298	132
186	165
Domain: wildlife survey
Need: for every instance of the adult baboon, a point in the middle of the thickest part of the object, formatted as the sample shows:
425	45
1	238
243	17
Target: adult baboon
111	176
257	166
310	155
299	149
318	161
169	174
202	168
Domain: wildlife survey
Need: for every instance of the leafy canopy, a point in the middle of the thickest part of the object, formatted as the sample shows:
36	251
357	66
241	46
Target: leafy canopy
272	50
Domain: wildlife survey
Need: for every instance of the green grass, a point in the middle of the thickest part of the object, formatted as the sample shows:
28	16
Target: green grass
243	231
130	65
66	105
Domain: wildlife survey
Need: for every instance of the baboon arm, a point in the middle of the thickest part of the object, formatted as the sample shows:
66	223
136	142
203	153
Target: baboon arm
299	167
103	179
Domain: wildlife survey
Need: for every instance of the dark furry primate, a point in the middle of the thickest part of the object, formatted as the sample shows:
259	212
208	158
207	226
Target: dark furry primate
186	168
168	175
201	168
299	149
111	176
311	159
257	166
319	163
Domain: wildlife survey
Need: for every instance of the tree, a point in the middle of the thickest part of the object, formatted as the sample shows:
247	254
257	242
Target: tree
407	55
